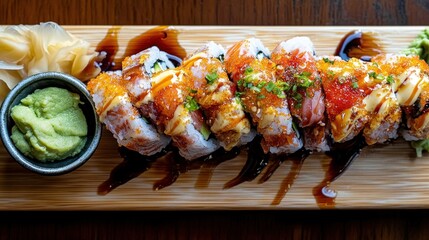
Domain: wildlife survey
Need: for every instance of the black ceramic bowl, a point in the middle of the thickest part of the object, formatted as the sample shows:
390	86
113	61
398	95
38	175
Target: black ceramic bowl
28	86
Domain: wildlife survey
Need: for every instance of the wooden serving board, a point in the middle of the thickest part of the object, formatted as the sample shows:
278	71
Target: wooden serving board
386	176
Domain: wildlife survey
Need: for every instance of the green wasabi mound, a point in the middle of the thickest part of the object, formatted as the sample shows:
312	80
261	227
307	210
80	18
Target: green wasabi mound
420	46
49	125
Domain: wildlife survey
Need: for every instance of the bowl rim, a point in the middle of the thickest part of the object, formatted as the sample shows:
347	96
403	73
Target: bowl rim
23	160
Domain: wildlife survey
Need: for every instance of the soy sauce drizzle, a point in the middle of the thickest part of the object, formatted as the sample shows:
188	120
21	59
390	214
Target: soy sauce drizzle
164	37
178	165
277	160
257	160
109	46
358	44
131	167
342	155
297	162
210	165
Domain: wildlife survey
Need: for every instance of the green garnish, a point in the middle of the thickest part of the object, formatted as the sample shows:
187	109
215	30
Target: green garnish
420	146
376	76
342	80
238	100
270	86
248	71
326	60
390	79
193	91
294	88
211	77
420	46
255	88
380	77
355	85
280	94
191	104
303	80
297	97
261	96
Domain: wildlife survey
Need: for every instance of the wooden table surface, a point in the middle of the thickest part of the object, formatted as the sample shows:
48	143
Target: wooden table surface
333	224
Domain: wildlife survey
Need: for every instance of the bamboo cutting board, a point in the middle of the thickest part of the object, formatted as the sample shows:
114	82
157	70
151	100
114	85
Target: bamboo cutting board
387	176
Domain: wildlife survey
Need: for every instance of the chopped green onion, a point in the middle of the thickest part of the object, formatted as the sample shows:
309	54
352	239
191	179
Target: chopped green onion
304	81
294	88
248	71
342	80
297	97
256	89
376	76
355	85
281	94
240	82
326	60
260	85
380	77
261	96
270	86
284	86
191	104
211	77
390	79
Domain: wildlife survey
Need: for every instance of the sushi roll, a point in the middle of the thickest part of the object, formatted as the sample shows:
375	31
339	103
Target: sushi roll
358	98
137	70
409	79
171	100
296	66
262	95
116	111
215	94
165	96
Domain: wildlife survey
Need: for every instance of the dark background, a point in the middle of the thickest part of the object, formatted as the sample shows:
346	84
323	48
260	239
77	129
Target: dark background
216	12
332	224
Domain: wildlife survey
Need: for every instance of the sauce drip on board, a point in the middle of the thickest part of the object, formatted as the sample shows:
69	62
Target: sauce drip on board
165	38
358	44
109	45
177	165
131	167
297	160
257	160
364	46
342	155
354	44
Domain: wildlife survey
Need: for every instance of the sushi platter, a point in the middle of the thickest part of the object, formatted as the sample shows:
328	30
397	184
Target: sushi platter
385	175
